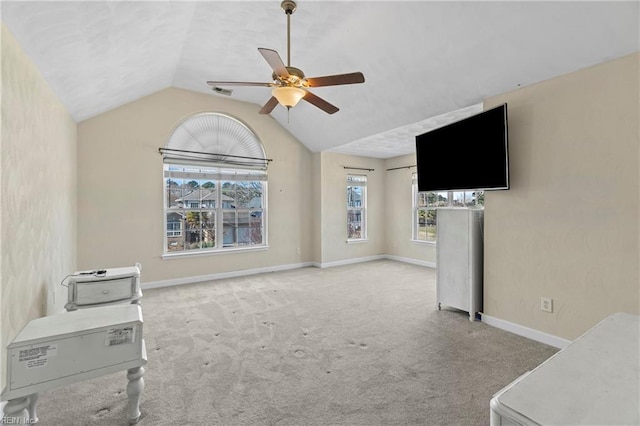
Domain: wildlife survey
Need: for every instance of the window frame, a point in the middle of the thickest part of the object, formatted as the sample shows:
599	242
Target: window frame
217	175
453	201
350	180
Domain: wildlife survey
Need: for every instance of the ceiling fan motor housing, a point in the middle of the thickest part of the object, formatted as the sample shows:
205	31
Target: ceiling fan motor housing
289	6
295	78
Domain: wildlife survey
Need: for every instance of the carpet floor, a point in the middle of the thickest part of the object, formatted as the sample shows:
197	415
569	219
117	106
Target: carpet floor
360	344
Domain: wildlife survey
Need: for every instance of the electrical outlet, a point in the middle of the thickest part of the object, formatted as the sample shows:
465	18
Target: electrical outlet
546	304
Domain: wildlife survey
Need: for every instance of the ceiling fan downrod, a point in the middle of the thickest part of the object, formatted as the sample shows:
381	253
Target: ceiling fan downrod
289	6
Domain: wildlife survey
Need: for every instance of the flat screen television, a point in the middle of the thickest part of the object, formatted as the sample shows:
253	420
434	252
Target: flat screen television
470	154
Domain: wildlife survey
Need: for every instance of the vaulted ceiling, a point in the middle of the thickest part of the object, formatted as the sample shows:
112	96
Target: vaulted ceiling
425	63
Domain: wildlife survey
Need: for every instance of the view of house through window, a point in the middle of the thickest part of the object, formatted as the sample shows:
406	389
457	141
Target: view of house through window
425	206
356	207
215	186
213	208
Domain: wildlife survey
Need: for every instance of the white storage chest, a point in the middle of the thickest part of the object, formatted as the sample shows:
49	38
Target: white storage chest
73	346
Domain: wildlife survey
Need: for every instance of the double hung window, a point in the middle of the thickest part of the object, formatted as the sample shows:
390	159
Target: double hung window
208	208
425	205
356	207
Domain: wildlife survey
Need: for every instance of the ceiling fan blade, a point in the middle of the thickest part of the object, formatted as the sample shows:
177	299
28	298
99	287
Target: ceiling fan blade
334	80
237	83
275	61
269	106
320	103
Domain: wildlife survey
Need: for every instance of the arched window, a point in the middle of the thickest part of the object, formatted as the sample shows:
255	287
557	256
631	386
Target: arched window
215	186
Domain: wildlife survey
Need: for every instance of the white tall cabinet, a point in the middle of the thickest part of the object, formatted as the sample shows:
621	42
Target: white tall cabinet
459	254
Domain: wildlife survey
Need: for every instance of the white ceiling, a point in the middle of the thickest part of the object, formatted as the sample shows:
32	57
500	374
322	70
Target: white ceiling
425	63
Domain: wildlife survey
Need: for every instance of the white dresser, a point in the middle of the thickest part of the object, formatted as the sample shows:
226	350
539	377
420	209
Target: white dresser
593	381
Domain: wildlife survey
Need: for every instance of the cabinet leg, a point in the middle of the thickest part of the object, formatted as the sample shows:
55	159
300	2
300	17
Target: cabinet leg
135	387
33	401
16	410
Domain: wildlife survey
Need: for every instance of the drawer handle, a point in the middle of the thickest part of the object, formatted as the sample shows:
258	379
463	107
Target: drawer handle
105	291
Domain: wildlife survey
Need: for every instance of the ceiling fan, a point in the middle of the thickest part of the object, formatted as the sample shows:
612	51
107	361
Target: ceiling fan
289	83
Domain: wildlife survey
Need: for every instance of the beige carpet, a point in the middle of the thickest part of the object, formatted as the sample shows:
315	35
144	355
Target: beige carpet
361	344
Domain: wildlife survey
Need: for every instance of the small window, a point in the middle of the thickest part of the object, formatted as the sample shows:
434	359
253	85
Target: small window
356	207
425	205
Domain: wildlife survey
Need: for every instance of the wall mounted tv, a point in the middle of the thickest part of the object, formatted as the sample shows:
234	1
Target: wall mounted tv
470	154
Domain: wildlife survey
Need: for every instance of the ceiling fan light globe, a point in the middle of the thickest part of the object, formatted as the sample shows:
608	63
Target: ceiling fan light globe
288	96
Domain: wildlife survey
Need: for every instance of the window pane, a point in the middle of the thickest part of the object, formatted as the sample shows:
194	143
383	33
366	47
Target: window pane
457	199
244	228
175	234
441	199
476	198
255	199
430	225
229	228
193	237
173	189
354	224
354	179
208	223
243	194
423	199
354	196
256	227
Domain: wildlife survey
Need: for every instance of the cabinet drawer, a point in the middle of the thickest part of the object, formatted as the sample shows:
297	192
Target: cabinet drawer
104	291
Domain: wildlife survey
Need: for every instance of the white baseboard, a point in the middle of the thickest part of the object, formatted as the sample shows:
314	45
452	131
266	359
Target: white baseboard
246	272
221	275
529	333
348	261
412	261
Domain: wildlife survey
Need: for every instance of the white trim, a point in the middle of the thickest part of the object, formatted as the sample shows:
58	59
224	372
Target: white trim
221	275
245	272
527	332
348	261
423	242
204	252
412	261
357	241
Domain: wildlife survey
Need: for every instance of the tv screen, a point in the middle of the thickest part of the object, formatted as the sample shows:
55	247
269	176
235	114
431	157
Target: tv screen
470	154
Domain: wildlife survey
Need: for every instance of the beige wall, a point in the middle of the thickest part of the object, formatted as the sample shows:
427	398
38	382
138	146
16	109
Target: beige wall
120	198
398	222
38	196
333	209
568	227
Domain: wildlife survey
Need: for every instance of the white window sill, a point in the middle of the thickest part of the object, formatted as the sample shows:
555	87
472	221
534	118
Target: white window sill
197	253
424	243
358	241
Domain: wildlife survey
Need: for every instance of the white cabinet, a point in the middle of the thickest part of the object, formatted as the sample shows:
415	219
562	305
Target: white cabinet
593	381
459	253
